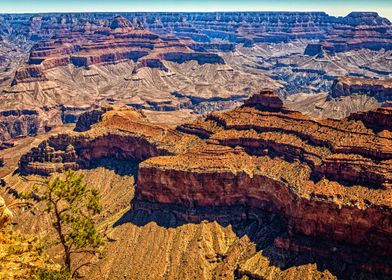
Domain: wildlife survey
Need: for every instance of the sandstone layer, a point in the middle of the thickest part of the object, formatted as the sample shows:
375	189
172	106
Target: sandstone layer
346	86
118	42
327	179
181	61
344	38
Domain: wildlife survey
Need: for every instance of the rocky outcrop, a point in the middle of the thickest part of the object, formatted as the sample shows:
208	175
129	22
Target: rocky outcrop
87	119
121	134
283	162
120	22
72	113
357	31
29	74
121	41
266	100
18	123
346	86
327	179
379	119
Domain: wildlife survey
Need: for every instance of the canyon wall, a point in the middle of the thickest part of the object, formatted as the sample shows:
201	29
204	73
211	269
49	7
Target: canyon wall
346	86
18	123
360	29
328	179
120	41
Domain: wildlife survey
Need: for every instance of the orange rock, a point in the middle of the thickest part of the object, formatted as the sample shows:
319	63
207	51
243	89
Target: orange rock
329	179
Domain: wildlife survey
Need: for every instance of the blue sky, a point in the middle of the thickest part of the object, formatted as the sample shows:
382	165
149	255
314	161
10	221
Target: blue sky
332	7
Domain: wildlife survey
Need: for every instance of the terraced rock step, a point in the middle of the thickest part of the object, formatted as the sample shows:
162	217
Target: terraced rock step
327	179
346	86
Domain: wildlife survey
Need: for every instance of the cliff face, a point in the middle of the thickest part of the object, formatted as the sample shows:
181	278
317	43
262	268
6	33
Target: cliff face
316	217
95	38
17	123
266	100
315	173
357	31
87	119
346	86
379	119
327	179
121	134
120	41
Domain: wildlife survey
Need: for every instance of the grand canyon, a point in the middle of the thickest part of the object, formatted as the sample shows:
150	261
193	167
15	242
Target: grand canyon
223	145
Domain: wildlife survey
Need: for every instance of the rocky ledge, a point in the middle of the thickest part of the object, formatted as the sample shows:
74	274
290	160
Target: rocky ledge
120	41
27	122
327	179
356	31
347	86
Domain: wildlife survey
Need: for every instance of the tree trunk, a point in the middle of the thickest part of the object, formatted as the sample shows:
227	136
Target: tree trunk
67	259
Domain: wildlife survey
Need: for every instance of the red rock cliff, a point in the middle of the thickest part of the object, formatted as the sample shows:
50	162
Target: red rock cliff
329	179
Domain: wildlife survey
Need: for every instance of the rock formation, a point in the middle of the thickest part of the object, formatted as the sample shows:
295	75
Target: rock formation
133	58
17	123
328	179
118	42
380	119
87	119
346	86
361	29
266	100
371	33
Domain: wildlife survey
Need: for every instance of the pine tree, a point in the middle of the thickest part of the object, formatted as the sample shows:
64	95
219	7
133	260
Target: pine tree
71	206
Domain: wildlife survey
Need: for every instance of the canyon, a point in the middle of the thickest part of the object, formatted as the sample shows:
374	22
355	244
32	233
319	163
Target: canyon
327	180
185	63
227	145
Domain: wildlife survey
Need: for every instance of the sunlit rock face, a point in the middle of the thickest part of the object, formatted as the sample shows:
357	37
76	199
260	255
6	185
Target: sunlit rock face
358	30
327	179
346	86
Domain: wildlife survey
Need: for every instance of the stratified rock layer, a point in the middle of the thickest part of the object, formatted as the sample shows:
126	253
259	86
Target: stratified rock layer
328	179
371	34
346	86
29	122
119	42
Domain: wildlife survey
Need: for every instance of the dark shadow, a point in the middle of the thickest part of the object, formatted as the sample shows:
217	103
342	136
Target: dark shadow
120	167
270	233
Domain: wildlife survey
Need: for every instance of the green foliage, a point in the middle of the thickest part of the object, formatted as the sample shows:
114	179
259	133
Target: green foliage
63	274
71	206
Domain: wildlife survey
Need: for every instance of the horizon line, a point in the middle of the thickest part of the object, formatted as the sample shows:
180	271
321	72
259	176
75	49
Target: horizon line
176	12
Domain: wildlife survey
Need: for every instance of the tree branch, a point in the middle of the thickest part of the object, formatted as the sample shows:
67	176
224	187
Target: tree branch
79	267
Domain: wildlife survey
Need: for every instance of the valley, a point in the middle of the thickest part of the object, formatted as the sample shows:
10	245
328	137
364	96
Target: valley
226	145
